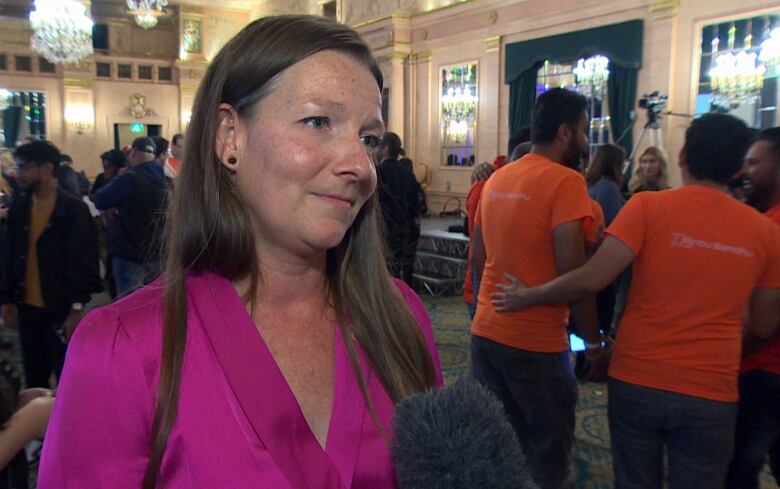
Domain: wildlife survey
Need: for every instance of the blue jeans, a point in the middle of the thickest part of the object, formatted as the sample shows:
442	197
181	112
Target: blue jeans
539	394
128	275
758	427
698	435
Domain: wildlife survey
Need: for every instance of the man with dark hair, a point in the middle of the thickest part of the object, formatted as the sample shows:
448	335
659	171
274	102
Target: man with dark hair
52	265
700	261
113	161
161	148
134	202
758	422
399	203
524	357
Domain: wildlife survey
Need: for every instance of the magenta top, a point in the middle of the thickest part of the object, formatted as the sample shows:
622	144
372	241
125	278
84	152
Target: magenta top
238	423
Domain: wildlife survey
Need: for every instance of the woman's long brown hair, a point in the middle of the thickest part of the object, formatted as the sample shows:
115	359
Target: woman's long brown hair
208	227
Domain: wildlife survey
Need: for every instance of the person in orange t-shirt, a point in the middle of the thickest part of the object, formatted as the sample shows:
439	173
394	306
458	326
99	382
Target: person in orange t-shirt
700	260
530	223
479	176
758	422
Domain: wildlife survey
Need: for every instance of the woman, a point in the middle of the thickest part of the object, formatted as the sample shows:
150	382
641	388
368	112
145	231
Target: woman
603	179
285	343
652	174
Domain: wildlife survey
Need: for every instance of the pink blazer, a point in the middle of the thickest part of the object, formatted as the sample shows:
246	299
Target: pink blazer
238	425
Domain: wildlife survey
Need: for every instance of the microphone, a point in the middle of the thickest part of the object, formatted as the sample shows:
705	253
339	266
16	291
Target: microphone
457	438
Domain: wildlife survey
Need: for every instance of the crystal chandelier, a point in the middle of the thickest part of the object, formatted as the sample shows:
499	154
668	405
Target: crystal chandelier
770	52
591	75
736	75
62	32
146	11
458	107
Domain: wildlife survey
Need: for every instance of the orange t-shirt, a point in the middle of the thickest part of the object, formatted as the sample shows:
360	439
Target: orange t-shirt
472	201
699	255
768	357
521	204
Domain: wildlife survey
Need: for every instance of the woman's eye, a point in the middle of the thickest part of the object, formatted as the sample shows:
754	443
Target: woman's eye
371	142
316	122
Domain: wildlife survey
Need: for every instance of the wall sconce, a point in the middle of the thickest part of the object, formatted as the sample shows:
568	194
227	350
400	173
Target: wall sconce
79	117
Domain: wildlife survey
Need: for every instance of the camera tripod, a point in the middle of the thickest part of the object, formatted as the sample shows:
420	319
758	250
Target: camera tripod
653	128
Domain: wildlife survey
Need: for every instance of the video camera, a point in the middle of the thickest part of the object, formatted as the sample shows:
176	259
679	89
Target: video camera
654	103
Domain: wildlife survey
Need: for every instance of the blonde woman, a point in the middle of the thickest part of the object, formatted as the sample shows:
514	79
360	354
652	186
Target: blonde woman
652	174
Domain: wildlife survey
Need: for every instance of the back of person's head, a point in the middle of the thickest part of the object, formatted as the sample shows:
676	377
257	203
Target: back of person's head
392	142
607	163
207	216
144	144
161	146
114	157
40	153
520	150
176	138
481	172
553	108
522	135
65	159
715	147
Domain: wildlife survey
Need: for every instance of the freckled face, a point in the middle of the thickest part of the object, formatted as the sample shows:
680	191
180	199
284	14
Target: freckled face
305	166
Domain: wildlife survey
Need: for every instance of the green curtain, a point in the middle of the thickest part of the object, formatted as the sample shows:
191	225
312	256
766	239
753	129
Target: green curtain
621	43
522	97
11	119
621	91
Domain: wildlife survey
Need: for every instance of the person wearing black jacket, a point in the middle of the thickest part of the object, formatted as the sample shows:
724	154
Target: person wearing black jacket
51	268
133	203
398	200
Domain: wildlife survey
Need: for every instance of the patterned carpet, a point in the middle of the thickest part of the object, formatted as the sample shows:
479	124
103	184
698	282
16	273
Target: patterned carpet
592	456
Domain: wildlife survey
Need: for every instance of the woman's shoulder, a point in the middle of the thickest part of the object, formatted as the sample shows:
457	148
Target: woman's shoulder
130	326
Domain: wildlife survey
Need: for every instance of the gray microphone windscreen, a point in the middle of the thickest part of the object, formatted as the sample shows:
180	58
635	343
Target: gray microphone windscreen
457	438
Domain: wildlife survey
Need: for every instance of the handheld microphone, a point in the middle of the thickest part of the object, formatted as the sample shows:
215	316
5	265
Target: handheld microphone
457	438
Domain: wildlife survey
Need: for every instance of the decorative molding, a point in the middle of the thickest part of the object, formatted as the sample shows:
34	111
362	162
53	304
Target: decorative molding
423	34
80	67
137	109
371	21
399	56
78	83
664	8
492	17
493	44
188	89
421	57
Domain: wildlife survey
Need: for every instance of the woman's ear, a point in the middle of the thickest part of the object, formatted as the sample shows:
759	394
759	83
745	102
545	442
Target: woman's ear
227	145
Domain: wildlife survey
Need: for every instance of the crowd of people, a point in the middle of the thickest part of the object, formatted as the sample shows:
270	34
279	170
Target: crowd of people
264	326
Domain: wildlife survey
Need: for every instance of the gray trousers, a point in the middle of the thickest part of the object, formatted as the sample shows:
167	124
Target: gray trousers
539	393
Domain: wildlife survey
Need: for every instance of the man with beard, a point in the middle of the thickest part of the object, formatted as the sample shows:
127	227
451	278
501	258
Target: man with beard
51	268
758	422
529	223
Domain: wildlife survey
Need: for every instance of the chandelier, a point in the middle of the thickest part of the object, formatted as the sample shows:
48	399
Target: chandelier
770	52
146	11
591	75
458	108
62	32
736	75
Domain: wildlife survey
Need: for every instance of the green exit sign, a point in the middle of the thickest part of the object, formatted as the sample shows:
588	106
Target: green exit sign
136	127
